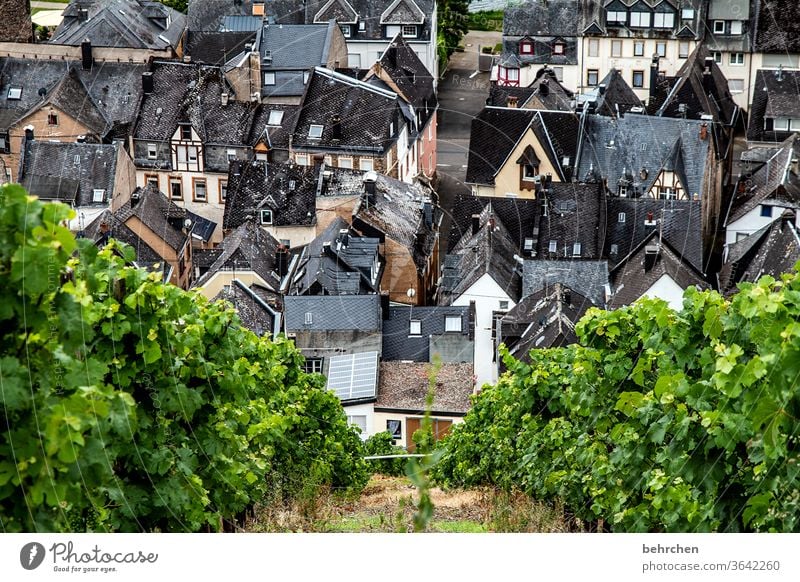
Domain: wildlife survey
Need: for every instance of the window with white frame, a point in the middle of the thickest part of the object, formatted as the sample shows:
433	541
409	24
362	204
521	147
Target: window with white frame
576	249
663	20
736	27
362	26
359	421
719	27
152	151
301	159
594	47
616	17
781	124
176	189
200	194
275	117
683	50
525	47
736	85
687	14
191	153
346	31
223	190
503	306
452	323
345	162
553	246
269	78
315	131
415	327
737	58
98	195
313	366
14	93
366	164
231	155
309	318
410	31
621	217
558	48
616	48
266	216
717	56
640	19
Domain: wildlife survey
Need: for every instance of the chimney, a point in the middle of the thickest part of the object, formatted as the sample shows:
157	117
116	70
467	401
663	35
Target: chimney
336	127
427	214
29	133
385	305
511	101
136	197
224	99
704	131
391	54
370	182
601	89
476	223
317	160
544	87
282	260
566	296
650	256
86	55
654	75
147	83
650	220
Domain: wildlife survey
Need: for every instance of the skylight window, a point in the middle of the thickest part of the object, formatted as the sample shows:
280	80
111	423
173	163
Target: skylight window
14	93
275	117
98	195
315	131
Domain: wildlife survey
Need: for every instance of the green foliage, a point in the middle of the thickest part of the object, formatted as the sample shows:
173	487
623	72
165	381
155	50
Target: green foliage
130	405
486	20
179	5
453	21
657	420
382	443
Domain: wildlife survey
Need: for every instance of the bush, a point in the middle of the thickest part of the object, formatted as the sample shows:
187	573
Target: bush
382	443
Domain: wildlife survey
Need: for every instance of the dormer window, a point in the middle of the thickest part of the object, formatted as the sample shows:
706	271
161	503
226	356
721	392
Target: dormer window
269	78
362	26
414	327
152	151
346	31
663	20
452	323
186	133
616	17
719	27
558	48
266	217
687	14
14	93
526	47
640	19
529	171
508	76
410	31
98	195
275	117
315	131
52	119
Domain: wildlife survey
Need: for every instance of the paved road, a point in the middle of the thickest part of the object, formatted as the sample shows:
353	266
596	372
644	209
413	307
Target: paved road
462	94
48	5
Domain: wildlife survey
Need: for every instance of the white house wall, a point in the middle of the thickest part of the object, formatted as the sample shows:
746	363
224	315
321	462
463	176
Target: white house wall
370	52
380	419
367	410
750	223
667	289
486	294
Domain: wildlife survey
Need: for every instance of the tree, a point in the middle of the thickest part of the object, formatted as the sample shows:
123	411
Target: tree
453	20
658	420
179	5
127	404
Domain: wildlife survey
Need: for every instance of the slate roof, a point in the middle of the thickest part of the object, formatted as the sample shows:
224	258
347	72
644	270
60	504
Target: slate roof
588	278
774	182
409	76
774	95
274	136
613	96
399	345
217	48
777	27
192	93
517	215
576	213
497	130
545	92
404	386
121	23
208	15
337	262
491	251
701	91
614	147
297	46
680	222
104	98
399	213
287	189
631	278
146	256
158	213
542	18
366	113
51	169
332	313
248	248
545	319
369	12
255	313
773	250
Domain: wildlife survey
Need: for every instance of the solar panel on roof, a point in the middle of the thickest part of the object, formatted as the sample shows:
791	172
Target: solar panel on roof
354	376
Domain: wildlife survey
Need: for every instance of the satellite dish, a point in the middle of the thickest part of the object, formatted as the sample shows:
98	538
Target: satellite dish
187	223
